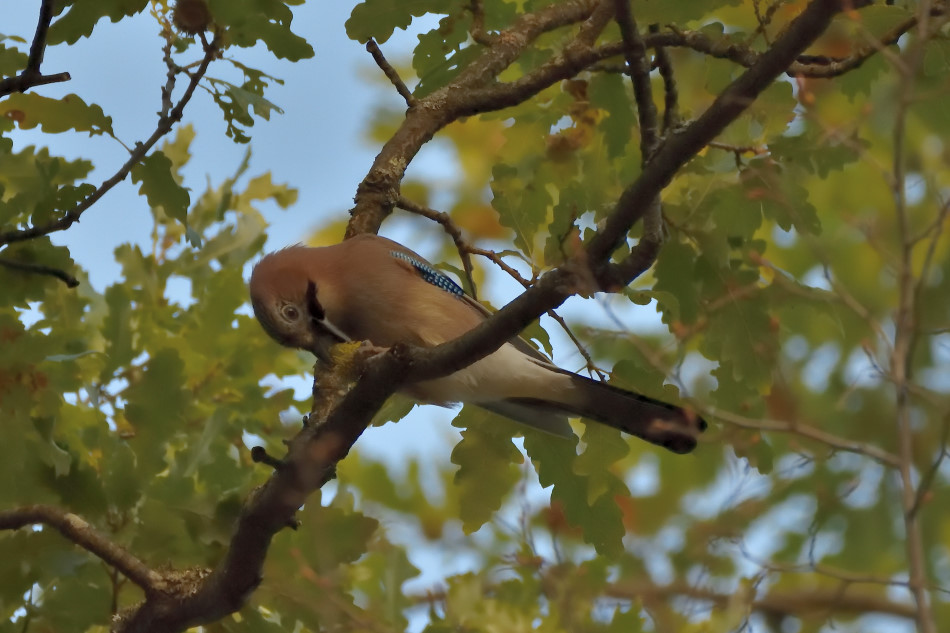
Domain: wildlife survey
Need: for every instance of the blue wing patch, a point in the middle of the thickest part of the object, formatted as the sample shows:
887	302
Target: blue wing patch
430	274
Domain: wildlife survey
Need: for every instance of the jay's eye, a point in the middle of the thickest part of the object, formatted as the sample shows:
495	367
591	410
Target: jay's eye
290	312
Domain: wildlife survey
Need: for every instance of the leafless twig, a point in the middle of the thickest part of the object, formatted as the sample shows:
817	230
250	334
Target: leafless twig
664	64
810	432
31	75
905	332
40	269
449	227
465	251
165	124
477	31
390	73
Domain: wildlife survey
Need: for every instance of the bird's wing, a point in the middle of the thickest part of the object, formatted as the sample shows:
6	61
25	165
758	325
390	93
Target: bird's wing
427	272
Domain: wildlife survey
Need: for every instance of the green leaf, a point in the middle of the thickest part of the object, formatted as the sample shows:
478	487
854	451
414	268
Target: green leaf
609	93
160	187
267	21
82	16
12	61
121	482
238	102
555	460
605	446
487	461
674	272
435	48
34	184
660	12
53	116
156	405
381	578
345	536
377	19
521	203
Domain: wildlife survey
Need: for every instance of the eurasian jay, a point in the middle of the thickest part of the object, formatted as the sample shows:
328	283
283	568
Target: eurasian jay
369	288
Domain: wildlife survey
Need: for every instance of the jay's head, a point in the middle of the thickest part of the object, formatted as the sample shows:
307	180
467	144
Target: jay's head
284	297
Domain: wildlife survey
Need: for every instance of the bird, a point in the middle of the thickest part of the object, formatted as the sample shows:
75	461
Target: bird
370	288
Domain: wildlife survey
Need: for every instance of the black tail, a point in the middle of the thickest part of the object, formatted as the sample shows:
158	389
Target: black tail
660	423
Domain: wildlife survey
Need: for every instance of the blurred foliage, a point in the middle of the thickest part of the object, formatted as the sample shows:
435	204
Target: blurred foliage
777	290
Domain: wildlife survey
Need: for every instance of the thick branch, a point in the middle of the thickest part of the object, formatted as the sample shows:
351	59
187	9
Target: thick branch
677	149
379	190
339	418
553	288
85	536
31	75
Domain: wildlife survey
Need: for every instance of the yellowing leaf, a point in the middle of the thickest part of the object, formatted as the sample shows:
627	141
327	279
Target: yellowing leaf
53	116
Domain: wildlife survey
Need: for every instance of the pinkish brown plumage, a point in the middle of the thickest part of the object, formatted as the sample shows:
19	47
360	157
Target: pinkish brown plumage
373	289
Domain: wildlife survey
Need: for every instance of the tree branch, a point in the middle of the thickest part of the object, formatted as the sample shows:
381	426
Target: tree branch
905	327
337	420
31	75
554	287
165	124
453	231
85	536
670	93
40	269
390	73
805	603
379	190
677	149
638	65
810	432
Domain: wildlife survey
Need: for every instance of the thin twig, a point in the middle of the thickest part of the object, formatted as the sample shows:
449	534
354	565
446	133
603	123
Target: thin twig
514	274
589	363
797	428
664	64
40	269
642	255
390	73
804	603
764	20
171	73
842	575
164	126
477	31
31	75
496	259
901	366
466	250
338	418
449	227
927	478
635	54
84	535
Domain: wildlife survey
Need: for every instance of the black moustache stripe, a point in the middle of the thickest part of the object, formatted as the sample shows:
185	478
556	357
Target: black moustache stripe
313	306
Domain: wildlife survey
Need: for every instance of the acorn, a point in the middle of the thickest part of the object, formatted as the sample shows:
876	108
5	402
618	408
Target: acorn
191	16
